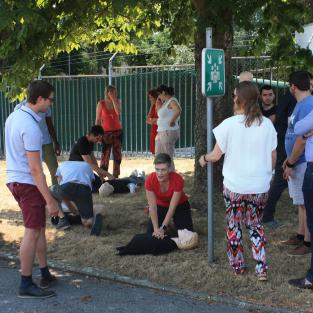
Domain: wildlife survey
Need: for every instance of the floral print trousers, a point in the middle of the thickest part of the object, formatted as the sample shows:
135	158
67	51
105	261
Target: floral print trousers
248	209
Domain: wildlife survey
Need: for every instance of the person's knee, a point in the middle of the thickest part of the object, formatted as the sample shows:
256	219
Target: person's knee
32	233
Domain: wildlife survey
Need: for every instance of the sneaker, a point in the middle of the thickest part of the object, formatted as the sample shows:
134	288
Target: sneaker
54	220
292	241
63	223
34	292
262	276
273	224
299	251
46	282
132	187
301	283
97	225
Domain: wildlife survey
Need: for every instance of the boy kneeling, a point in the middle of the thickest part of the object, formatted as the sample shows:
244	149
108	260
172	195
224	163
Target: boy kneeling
75	185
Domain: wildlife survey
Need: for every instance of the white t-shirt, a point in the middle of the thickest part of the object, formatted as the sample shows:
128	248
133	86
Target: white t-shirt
75	172
165	115
46	138
22	134
247	165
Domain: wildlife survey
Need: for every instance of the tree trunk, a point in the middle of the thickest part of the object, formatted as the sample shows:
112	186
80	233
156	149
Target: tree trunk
222	39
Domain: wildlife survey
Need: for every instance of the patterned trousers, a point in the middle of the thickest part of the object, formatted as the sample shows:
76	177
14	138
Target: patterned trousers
247	208
112	140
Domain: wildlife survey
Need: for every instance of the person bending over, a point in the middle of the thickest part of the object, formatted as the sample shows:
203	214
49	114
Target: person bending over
74	185
166	198
83	149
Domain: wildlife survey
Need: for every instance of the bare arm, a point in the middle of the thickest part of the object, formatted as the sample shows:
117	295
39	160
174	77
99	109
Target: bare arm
297	150
213	156
274	159
53	135
116	102
98	114
36	171
151	198
172	208
177	111
91	160
151	120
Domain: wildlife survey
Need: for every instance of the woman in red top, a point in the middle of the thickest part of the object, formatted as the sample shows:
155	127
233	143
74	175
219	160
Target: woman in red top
166	198
107	115
152	118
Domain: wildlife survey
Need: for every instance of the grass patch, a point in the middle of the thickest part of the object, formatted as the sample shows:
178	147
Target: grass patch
125	217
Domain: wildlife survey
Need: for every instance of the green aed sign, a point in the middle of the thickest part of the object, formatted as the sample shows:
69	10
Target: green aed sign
213	72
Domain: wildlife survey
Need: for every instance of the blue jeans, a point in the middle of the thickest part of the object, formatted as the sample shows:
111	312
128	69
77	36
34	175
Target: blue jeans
307	189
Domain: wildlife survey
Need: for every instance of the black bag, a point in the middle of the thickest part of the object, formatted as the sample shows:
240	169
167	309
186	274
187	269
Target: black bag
147	244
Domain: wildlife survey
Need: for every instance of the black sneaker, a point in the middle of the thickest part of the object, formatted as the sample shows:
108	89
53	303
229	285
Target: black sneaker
301	283
46	282
55	220
96	225
63	223
34	292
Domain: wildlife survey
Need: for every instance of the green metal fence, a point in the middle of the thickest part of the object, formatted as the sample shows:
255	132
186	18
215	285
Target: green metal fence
76	98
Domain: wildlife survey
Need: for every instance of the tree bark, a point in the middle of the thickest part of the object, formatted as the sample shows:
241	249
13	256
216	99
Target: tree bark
222	39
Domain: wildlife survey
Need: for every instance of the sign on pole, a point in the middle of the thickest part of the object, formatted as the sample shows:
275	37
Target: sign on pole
213	72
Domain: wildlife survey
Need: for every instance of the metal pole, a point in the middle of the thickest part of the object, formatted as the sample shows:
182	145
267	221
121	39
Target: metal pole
69	64
39	74
111	68
209	103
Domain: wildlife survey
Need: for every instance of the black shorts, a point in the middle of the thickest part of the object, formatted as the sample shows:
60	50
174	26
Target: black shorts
80	194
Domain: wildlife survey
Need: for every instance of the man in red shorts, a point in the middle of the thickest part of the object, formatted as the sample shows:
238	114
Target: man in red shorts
27	183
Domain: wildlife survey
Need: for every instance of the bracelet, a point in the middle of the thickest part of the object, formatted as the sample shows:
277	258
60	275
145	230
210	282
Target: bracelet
289	164
205	160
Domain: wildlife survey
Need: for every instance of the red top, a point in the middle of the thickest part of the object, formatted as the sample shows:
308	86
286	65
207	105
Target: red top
154	129
163	199
110	119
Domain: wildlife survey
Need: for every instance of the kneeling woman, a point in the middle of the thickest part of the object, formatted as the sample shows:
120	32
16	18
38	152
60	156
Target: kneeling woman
166	198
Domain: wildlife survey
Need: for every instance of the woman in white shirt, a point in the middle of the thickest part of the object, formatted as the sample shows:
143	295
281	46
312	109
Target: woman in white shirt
168	127
249	143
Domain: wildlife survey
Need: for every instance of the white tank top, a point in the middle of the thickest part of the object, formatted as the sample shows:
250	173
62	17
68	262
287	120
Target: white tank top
165	115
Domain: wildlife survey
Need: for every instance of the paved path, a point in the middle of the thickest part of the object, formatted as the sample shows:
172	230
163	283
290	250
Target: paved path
76	293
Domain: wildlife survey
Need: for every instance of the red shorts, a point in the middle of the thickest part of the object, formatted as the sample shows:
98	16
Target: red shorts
32	203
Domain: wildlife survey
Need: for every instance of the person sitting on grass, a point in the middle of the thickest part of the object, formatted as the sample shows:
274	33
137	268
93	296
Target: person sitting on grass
249	143
75	184
166	198
83	150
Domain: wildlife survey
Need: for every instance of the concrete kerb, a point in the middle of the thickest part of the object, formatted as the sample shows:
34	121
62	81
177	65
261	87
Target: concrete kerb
108	275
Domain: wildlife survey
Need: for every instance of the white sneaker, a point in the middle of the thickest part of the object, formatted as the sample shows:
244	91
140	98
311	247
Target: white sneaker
132	187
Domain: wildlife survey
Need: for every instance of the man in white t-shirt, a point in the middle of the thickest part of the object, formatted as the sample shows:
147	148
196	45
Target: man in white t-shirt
50	150
27	183
75	185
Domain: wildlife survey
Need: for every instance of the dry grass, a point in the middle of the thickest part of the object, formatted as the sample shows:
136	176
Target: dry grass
124	217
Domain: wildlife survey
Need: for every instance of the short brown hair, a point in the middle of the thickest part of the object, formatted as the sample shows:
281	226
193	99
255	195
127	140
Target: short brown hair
162	158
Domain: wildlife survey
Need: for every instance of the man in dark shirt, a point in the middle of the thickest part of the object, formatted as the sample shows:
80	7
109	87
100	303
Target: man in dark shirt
268	106
83	150
285	108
